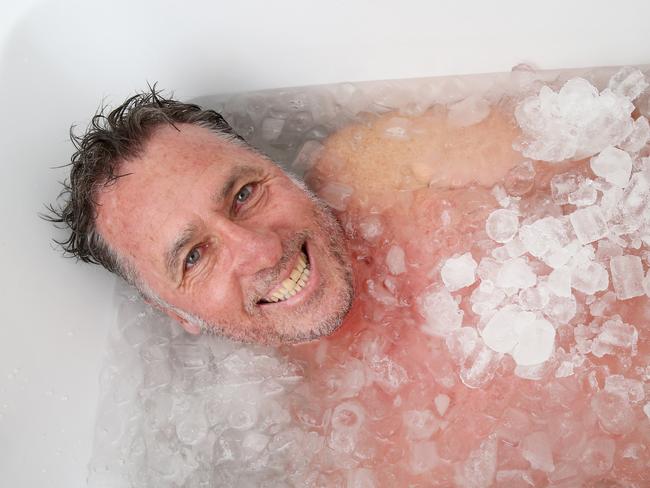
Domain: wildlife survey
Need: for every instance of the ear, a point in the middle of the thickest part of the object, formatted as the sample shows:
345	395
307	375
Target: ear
188	326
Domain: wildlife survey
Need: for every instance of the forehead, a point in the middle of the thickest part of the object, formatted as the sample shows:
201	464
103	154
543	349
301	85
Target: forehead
165	183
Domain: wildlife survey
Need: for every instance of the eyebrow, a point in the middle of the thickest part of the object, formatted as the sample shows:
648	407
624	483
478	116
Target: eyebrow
189	233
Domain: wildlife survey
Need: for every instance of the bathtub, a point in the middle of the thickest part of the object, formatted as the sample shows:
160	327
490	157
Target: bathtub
59	60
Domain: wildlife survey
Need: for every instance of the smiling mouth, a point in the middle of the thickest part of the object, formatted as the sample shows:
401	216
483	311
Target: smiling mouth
297	280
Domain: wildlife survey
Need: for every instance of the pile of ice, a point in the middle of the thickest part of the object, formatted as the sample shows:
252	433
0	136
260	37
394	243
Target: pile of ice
515	367
578	121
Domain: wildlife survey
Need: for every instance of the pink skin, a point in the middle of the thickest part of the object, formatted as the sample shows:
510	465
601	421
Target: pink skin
246	243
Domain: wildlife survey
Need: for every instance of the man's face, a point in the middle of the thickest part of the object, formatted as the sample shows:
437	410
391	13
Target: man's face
221	233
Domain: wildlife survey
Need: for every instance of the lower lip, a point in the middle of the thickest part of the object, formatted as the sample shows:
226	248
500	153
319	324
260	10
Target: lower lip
302	295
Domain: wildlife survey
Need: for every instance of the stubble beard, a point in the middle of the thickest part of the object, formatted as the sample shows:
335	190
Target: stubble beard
292	331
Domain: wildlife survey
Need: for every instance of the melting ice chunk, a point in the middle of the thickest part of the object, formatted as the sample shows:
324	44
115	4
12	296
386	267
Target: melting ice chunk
459	272
501	332
638	137
502	225
441	402
590	278
588	224
536	343
271	128
516	273
627	276
628	82
536	450
562	186
469	111
613	165
395	260
336	195
440	310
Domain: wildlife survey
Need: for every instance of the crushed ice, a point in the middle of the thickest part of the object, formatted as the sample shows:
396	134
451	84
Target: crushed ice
532	377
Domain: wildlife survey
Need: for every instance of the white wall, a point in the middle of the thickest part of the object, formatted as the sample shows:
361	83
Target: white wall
58	59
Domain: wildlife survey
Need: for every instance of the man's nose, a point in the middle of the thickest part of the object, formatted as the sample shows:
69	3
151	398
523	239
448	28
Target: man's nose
250	249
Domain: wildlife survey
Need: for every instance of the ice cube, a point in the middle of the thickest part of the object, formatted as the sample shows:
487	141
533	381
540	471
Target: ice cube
615	332
502	225
420	424
459	271
561	309
516	273
395	260
562	186
423	457
614	413
628	388
272	128
613	165
536	449
638	137
520	179
480	468
584	195
536	342
627	276
559	281
590	278
307	156
597	456
441	401
397	128
336	195
544	236
371	227
588	224
468	112
628	82
440	310
501	332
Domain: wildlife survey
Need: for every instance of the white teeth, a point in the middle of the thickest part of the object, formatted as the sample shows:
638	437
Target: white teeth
292	285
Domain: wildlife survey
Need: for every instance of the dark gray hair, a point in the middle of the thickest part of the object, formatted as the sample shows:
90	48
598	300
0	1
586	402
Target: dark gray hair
108	141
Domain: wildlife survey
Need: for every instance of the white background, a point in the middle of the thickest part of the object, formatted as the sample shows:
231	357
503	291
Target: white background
59	59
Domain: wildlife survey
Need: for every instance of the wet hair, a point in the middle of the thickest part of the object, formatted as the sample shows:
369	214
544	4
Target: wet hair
108	141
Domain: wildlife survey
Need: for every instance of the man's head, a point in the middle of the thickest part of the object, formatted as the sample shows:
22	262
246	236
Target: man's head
209	230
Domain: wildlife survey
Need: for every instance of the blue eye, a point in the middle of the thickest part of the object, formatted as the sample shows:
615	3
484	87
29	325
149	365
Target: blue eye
244	194
192	258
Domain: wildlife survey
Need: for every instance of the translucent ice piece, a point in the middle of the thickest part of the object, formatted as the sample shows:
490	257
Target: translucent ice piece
638	137
440	310
614	413
536	343
588	224
502	225
613	165
307	156
459	272
395	260
501	332
423	457
584	195
336	195
627	276
559	281
371	228
597	456
520	179
628	388
628	82
516	273
469	111
271	128
590	278
562	186
480	468
536	449
441	401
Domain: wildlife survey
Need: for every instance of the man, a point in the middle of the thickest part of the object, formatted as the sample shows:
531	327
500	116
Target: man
219	237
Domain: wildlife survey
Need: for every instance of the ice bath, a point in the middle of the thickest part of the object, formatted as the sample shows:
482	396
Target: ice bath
498	228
